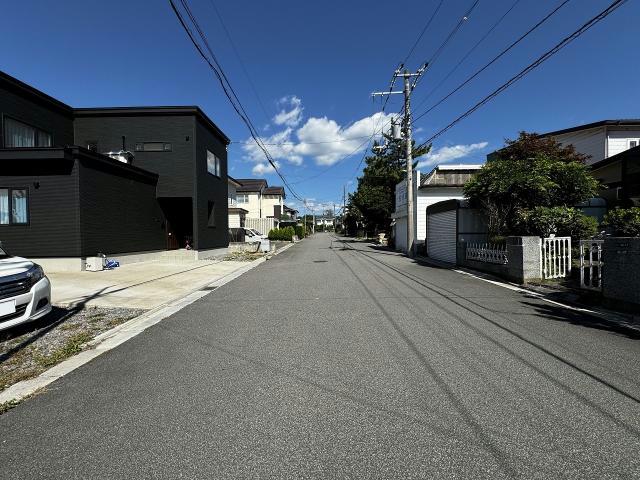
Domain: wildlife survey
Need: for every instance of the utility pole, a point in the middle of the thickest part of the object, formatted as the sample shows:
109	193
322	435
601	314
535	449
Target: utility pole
334	217
408	88
313	225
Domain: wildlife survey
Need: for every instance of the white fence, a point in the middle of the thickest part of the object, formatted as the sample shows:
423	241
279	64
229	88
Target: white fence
591	264
555	258
487	252
263	225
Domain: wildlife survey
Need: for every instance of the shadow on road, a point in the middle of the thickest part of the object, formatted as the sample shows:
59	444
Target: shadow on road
560	314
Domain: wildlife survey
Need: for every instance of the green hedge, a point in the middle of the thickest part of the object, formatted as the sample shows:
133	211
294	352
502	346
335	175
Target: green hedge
624	222
561	221
284	234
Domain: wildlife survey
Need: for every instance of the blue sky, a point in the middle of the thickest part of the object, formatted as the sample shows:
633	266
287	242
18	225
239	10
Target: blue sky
314	64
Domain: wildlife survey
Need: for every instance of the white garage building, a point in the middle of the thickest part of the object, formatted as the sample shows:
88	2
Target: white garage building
444	182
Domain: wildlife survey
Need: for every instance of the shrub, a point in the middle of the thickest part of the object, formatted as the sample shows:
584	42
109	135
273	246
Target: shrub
285	234
561	221
623	222
300	231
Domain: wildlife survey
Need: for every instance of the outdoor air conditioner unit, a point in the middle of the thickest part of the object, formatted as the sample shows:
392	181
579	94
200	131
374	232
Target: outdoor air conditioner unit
95	264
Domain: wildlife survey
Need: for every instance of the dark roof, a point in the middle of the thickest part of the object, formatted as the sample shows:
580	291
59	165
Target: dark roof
233	180
152	111
632	122
68	153
633	153
251	184
10	83
289	209
444	177
274	191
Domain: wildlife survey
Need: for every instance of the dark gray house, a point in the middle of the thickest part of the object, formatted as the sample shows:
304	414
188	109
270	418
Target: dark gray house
129	182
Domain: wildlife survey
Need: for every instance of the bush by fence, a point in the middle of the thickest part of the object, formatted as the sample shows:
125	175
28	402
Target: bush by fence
624	222
284	234
560	221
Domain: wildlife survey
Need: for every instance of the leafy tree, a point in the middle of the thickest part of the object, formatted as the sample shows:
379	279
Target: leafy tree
374	199
529	172
624	222
561	221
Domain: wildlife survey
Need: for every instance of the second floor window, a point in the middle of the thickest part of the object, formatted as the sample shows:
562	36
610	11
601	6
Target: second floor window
213	164
242	198
21	135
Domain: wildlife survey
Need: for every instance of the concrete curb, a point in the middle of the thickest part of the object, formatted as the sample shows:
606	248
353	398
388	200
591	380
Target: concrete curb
120	334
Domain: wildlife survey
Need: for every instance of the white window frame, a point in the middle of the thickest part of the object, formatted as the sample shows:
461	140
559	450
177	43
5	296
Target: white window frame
244	196
636	140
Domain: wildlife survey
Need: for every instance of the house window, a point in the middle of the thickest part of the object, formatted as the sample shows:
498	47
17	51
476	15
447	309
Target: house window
14	206
211	214
92	145
21	135
633	143
213	164
153	147
242	198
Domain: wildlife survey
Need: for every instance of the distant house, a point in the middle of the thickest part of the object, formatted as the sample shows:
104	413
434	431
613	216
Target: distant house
444	182
614	150
259	199
237	215
290	214
600	140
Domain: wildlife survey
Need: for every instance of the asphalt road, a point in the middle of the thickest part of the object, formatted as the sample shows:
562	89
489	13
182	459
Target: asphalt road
338	360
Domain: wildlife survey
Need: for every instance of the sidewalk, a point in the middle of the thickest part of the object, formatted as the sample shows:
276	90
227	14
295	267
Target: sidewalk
139	285
552	293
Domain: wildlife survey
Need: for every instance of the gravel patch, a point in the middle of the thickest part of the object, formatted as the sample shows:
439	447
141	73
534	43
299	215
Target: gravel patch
28	350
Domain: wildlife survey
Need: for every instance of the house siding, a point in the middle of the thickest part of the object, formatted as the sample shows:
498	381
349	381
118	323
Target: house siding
119	212
175	167
210	188
590	142
54	219
618	140
26	108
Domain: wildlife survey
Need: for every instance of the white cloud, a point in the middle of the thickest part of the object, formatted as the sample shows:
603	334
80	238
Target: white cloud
292	116
260	169
447	154
320	138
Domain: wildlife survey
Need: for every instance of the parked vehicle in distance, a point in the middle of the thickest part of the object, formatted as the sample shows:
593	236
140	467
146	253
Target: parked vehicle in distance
25	291
251	235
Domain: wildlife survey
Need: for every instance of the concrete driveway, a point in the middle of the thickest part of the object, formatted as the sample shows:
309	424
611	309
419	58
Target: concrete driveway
138	285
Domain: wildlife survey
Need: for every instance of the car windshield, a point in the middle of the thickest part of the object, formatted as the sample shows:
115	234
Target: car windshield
256	232
3	253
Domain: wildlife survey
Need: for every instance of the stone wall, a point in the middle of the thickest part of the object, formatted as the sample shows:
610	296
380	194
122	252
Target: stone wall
621	270
524	260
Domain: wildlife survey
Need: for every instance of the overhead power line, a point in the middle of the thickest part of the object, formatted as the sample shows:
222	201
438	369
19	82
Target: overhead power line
492	61
226	86
470	51
593	21
242	65
415	44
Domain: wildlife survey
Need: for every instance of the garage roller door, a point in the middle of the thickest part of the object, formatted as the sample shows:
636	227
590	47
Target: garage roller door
441	236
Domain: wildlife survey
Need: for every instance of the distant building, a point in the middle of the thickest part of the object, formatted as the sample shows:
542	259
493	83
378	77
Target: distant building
614	150
444	182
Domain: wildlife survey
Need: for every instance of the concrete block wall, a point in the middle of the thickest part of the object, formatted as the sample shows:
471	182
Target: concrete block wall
621	270
524	260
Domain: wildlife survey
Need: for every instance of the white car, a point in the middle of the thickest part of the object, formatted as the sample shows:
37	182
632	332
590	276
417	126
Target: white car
25	291
251	235
258	234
